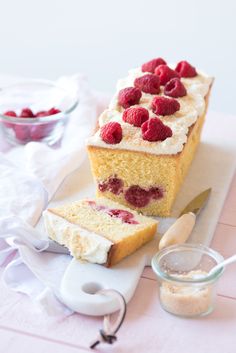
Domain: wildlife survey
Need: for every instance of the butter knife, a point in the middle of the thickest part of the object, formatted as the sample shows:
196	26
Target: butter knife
179	232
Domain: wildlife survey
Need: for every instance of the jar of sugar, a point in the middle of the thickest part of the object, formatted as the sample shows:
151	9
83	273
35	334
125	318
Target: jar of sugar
185	286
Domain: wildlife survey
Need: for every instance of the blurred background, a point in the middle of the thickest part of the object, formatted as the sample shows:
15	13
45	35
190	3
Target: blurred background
104	39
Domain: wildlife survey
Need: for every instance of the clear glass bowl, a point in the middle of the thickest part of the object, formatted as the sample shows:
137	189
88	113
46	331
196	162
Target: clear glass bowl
186	287
38	95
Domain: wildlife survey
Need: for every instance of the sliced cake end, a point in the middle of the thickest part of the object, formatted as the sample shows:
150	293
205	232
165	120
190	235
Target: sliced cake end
99	231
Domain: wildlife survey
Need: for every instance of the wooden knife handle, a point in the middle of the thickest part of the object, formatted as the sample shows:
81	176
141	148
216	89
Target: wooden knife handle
179	232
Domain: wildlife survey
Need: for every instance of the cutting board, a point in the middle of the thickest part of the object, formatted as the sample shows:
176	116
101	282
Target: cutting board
213	166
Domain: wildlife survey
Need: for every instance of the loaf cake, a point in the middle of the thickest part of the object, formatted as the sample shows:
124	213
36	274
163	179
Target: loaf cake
148	136
99	231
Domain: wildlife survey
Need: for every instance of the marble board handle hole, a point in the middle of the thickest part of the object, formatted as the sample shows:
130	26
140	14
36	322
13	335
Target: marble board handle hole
91	287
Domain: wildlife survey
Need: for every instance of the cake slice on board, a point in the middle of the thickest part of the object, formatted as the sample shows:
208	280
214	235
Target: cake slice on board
99	231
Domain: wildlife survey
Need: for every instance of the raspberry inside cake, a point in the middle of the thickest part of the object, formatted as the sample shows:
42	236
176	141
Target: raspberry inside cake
149	135
99	231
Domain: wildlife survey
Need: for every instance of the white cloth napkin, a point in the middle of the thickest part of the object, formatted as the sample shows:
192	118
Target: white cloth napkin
26	186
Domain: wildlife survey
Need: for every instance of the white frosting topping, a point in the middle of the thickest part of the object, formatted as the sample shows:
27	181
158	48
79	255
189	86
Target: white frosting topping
92	247
191	107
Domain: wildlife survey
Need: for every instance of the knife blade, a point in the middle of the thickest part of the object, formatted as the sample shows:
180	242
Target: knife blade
179	232
197	204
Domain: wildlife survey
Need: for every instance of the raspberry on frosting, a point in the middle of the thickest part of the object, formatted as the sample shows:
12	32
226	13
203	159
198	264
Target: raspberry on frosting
175	88
155	130
164	106
165	74
111	133
148	83
184	69
152	64
129	96
135	116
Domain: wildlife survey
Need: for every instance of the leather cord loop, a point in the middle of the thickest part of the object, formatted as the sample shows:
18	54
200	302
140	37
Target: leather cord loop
107	333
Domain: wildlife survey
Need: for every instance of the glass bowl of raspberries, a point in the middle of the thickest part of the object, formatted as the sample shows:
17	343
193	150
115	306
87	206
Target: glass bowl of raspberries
35	110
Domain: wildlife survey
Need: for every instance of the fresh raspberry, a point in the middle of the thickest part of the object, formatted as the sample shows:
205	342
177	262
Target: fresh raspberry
26	113
21	133
175	88
135	116
148	83
38	132
111	133
129	96
155	193
137	196
10	113
152	64
165	74
53	111
155	130
164	106
42	114
184	69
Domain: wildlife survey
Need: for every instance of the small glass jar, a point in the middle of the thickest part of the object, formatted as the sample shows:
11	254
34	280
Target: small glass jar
186	287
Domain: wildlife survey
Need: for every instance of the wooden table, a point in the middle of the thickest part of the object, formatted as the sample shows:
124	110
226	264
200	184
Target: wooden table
25	328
